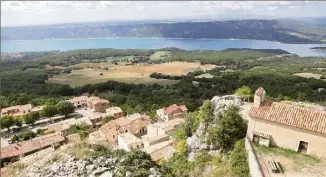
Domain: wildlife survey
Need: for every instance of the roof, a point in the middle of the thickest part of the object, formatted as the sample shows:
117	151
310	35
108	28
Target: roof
92	98
19	107
97	101
107	127
134	116
162	153
122	121
295	116
113	110
78	99
260	91
158	146
129	138
151	138
64	125
174	107
169	125
34	144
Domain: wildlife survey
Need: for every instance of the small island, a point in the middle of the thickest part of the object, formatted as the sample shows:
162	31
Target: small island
321	49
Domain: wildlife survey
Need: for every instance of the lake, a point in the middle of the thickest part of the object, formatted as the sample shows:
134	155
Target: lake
154	43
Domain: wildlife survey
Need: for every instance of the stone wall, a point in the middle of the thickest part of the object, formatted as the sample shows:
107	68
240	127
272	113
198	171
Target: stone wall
254	167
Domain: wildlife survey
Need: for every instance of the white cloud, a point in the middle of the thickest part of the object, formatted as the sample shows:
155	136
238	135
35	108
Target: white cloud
44	12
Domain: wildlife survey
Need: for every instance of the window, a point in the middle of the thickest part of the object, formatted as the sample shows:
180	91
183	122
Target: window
137	146
113	136
126	131
303	147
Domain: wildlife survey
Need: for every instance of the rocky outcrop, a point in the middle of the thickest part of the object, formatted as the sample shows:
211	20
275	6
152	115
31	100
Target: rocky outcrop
197	142
90	167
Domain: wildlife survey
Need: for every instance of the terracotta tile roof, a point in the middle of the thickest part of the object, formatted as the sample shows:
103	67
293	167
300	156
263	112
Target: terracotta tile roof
129	138
174	107
78	99
107	127
113	110
260	91
122	121
134	116
97	101
295	116
31	145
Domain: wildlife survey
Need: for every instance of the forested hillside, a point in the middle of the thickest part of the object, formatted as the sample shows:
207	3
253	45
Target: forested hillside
273	30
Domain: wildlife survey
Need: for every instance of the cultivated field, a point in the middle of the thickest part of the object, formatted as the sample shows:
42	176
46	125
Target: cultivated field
308	75
95	73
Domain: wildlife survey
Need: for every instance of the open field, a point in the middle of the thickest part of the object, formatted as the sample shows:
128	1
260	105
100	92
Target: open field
129	74
160	55
293	163
308	75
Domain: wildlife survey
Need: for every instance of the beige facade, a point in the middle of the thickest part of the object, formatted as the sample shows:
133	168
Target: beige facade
172	112
128	141
20	110
289	137
115	112
287	126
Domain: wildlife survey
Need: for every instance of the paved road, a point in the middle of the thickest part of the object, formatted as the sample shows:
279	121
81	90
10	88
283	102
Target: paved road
40	124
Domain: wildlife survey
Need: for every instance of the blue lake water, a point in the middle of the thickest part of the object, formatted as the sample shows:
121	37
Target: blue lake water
154	43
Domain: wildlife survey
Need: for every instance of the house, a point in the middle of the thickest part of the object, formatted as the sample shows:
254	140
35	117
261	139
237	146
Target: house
115	112
63	126
150	140
287	126
172	112
128	141
160	128
97	104
112	129
160	150
138	123
79	102
20	110
31	146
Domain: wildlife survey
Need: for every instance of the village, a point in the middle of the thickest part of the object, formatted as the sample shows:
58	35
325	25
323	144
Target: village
271	124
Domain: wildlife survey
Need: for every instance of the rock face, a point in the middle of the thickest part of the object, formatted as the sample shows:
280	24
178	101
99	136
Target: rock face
197	141
90	167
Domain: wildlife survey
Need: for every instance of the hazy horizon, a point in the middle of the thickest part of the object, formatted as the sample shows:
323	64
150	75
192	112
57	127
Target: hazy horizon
35	13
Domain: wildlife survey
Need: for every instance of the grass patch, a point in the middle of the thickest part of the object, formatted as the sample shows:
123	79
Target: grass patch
159	55
298	158
14	169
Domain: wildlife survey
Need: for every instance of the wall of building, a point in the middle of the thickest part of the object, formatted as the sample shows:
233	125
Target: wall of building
153	131
101	107
136	125
289	137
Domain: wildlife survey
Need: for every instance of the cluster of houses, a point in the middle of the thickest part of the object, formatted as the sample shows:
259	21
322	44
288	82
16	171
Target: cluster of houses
19	110
133	131
270	123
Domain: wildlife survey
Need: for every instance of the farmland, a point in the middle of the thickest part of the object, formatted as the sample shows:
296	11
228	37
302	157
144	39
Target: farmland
95	73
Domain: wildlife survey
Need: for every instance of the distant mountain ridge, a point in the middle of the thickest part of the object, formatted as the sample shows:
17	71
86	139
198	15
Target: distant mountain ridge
272	30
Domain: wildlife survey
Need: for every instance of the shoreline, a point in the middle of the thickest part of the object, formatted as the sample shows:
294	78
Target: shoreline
208	39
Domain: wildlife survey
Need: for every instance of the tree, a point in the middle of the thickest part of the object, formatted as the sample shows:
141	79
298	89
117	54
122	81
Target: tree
7	121
182	147
18	121
229	128
49	111
238	159
65	108
244	92
31	118
301	96
15	138
107	119
205	111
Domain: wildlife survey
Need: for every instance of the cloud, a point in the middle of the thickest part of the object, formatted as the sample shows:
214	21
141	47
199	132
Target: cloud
44	12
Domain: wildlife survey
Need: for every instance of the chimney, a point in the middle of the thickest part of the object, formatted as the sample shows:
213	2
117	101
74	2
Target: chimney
259	97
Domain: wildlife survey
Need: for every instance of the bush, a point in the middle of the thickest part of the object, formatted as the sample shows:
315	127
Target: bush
238	160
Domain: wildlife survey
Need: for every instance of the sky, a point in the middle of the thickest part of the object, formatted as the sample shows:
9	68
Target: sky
21	13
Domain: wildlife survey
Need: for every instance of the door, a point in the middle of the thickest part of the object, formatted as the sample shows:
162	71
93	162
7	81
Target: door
303	146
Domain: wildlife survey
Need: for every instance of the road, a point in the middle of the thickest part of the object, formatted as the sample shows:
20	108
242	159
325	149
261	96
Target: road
40	124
